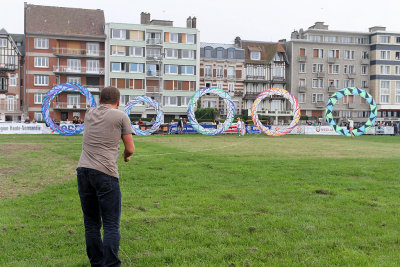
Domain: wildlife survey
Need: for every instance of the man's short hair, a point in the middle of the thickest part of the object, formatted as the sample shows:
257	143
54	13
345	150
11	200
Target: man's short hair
109	95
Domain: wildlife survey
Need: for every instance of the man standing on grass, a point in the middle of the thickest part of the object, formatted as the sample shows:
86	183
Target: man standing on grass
351	126
97	173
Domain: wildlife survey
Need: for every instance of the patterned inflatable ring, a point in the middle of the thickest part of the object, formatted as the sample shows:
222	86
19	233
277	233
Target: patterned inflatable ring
50	96
351	91
278	131
229	117
155	105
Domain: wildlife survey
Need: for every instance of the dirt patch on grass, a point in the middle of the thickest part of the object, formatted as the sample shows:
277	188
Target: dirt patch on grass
10	149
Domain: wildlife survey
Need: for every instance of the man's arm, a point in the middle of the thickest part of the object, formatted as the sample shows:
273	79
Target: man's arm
129	146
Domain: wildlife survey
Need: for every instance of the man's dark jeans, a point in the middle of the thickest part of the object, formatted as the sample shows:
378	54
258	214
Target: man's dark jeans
100	196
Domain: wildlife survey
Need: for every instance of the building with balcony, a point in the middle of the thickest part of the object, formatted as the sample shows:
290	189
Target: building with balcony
11	76
324	61
221	65
385	72
63	45
265	67
156	59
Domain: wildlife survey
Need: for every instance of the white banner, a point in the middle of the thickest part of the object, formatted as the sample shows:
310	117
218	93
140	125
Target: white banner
24	128
320	130
299	129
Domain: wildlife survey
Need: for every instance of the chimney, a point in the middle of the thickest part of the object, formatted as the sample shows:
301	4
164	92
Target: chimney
189	22
194	22
144	18
238	41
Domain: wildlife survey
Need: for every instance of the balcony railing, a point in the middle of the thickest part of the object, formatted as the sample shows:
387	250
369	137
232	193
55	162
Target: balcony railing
320	104
351	75
78	52
154	41
232	76
150	73
208	75
65	105
277	79
320	74
220	76
82	70
302	58
153	89
352	105
302	88
7	66
154	57
331	88
255	77
332	59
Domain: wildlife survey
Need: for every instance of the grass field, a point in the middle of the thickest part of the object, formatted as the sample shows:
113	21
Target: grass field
211	201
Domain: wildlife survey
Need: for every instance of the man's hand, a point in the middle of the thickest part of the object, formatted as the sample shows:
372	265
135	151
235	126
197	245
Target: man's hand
129	146
126	159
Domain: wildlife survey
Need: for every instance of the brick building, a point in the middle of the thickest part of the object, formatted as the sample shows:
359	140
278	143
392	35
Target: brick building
221	65
11	76
62	45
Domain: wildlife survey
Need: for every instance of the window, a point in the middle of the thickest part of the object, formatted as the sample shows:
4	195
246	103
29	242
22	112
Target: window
302	98
397	39
41	43
260	87
73	100
348	69
255	55
207	71
249	88
189	70
38	116
348	54
118	34
135	51
153	53
333	53
364	69
74	65
118	50
385	55
333	68
136	35
136	67
171	53
231	88
384	39
347	114
173	37
397	56
260	71
117	66
92	66
219	85
93	49
220	71
385	69
231	53
38	98
346	40
41	62
3	83
190	39
208	52
209	104
220	53
170	100
231	72
361	40
364	84
333	83
315	38
302	52
74	80
41	80
187	54
348	83
317	83
278	71
171	69
13	80
330	39
250	70
302	82
364	55
302	68
397	92
385	92
318	53
317	68
151	70
317	98
397	70
3	42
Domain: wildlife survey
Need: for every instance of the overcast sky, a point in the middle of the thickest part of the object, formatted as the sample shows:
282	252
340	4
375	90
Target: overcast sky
223	20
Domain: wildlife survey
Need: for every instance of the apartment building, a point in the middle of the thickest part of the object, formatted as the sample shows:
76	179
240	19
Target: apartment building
324	61
385	72
222	65
11	76
156	59
62	45
266	65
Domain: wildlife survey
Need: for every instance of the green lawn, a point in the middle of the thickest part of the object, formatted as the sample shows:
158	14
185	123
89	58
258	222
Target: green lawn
211	201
